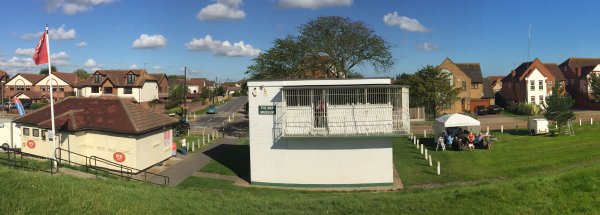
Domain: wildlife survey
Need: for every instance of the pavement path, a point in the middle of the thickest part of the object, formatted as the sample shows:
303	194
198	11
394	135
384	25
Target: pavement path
190	164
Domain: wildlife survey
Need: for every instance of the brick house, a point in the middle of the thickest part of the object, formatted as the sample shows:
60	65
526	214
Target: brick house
531	82
495	83
138	85
467	77
577	72
163	85
3	79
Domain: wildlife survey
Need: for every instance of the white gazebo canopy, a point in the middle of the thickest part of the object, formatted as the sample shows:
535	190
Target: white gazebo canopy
456	120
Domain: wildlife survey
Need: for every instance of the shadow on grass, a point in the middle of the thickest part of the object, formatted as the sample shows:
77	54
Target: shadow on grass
432	173
234	157
520	132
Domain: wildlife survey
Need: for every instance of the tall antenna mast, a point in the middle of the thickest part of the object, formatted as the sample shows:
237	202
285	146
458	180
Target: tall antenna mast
529	43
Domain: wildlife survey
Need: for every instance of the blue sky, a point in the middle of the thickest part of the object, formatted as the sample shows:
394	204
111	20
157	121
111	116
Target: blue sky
493	33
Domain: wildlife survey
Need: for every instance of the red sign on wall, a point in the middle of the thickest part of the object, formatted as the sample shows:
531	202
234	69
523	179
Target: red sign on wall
119	157
31	144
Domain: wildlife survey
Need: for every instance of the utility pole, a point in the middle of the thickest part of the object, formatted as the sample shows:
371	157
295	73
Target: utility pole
185	93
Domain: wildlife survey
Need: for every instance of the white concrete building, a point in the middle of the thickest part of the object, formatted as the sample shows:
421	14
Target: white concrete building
536	89
10	133
325	133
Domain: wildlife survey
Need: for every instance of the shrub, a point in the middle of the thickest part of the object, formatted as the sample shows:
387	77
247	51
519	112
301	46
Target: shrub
38	105
175	110
524	109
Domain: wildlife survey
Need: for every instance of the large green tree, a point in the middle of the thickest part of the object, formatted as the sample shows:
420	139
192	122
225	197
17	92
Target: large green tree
429	88
81	74
594	83
558	106
330	45
44	70
176	96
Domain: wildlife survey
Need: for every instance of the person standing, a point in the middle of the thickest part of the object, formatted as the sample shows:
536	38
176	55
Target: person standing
471	139
183	147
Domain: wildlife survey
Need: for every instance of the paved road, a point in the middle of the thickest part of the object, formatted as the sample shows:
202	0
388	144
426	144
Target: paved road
223	111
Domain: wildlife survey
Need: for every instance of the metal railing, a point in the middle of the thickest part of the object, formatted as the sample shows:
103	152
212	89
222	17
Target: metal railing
98	164
345	111
14	158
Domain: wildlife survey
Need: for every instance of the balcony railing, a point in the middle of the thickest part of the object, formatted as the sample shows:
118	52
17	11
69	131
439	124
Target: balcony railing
345	111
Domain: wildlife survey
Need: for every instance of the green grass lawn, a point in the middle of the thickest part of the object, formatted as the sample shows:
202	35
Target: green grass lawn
539	175
235	160
512	155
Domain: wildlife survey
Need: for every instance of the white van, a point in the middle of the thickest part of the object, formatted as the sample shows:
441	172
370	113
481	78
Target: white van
10	134
538	126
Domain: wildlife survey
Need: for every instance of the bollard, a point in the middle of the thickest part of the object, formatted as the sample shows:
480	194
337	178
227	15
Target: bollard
422	148
193	146
579	121
414	141
417	141
430	162
438	168
501	128
229	119
488	130
424	133
426	154
556	126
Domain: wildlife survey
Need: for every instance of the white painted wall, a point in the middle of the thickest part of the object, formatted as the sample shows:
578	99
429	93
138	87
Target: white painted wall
193	88
148	92
536	76
312	161
57	82
10	133
18	81
153	147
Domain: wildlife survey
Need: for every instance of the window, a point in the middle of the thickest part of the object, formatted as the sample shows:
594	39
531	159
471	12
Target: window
44	134
474	86
541	99
53	88
540	85
297	97
108	90
532	85
532	99
128	90
28	88
43	88
97	78
549	84
130	78
95	89
62	88
25	131
464	85
35	132
12	88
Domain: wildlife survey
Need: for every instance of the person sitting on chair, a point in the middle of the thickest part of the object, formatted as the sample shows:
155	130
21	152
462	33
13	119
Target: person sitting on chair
471	139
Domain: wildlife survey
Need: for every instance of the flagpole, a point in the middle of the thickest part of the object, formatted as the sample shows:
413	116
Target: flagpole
51	97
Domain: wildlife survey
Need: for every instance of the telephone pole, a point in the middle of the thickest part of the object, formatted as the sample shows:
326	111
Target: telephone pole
185	93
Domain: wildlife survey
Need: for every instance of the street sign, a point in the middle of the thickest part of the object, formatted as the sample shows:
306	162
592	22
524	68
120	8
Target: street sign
266	110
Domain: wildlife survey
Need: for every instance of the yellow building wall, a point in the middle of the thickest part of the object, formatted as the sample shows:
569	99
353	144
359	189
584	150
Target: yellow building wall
153	147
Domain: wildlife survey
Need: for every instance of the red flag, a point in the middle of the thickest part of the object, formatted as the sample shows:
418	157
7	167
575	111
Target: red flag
40	56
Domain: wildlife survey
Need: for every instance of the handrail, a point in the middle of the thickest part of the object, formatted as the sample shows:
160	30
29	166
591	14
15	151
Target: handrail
92	162
19	163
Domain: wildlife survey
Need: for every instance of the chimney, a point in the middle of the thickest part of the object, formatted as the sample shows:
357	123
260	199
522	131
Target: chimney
513	73
578	74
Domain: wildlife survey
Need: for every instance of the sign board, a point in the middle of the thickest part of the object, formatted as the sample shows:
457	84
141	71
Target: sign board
31	144
266	110
119	157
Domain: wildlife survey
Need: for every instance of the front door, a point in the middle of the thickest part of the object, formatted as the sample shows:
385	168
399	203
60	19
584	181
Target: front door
320	109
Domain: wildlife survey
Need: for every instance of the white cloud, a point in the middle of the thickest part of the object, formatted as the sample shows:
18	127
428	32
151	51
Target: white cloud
427	47
60	59
406	23
71	7
150	41
133	66
222	9
90	63
24	52
219	48
156	68
54	33
81	44
313	4
16	64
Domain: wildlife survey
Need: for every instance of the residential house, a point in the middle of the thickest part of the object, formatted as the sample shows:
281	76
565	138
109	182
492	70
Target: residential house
109	128
24	82
3	79
495	83
163	85
138	85
577	72
467	77
531	82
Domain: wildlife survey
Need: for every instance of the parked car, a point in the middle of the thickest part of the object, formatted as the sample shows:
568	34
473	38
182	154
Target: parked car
494	109
480	110
211	109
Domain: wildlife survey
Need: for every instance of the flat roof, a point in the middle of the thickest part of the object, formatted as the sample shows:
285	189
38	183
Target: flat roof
320	82
343	87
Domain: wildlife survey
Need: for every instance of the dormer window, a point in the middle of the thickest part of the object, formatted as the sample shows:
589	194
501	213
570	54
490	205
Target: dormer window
97	78
130	78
